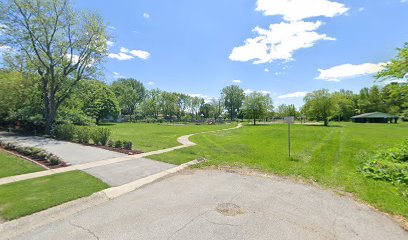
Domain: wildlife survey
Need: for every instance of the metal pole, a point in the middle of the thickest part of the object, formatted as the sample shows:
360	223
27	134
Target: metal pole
289	138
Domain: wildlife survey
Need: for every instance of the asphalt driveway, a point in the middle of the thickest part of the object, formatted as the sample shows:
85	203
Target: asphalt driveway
211	204
120	173
69	152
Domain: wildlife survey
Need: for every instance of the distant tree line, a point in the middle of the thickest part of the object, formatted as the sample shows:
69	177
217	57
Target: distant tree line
52	59
341	105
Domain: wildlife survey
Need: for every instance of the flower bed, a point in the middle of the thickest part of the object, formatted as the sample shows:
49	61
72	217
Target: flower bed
34	154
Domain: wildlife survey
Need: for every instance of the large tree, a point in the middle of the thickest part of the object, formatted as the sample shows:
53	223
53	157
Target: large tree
257	105
345	102
151	105
397	68
20	99
319	105
284	110
60	45
168	104
130	94
98	100
233	97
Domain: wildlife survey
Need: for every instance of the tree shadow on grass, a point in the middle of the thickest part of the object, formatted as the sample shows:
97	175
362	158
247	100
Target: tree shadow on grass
106	124
330	125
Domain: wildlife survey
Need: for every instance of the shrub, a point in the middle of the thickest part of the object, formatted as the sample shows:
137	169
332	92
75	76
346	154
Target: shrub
10	146
64	132
35	151
118	144
111	143
28	151
83	134
127	145
105	134
95	136
42	155
53	160
100	135
389	165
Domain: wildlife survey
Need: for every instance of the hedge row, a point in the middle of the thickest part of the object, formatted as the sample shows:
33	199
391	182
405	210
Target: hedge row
82	134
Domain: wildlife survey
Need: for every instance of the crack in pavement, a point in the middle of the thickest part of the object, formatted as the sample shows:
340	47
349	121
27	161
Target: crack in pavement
222	224
189	222
85	229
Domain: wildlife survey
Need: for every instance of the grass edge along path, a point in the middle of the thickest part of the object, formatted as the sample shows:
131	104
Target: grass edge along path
11	165
149	137
29	196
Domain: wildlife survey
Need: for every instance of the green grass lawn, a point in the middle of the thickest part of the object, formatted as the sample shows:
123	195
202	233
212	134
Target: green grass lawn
30	196
11	165
331	156
148	137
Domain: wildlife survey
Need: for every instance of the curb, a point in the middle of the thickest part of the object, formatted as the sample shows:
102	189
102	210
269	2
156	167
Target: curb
28	223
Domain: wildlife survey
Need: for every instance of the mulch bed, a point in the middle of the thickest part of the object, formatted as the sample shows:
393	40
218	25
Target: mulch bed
37	161
119	150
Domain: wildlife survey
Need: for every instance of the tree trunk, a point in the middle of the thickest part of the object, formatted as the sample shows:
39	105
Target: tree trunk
254	121
326	122
49	119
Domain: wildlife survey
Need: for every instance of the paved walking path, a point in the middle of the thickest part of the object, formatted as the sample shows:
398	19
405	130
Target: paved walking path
210	204
128	171
72	153
183	140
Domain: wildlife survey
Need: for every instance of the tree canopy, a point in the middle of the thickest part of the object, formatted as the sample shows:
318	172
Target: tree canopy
397	68
130	93
51	40
319	105
257	105
233	97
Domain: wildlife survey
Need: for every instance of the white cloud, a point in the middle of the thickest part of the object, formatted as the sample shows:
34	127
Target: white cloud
249	91
126	54
205	97
361	9
110	43
404	1
236	81
151	83
111	27
337	73
117	75
120	56
279	42
146	15
140	54
293	95
266	70
264	92
295	10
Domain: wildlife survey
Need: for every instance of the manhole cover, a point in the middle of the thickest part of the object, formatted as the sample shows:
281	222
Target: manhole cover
229	209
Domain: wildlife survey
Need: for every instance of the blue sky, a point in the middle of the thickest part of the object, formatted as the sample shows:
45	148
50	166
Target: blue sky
276	46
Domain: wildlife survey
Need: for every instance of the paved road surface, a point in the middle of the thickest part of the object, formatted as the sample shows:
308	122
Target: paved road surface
70	152
209	204
124	172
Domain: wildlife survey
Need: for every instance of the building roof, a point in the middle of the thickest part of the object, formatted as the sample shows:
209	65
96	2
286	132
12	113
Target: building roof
375	115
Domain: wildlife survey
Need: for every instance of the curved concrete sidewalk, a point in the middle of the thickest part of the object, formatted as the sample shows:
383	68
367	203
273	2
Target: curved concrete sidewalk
183	140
